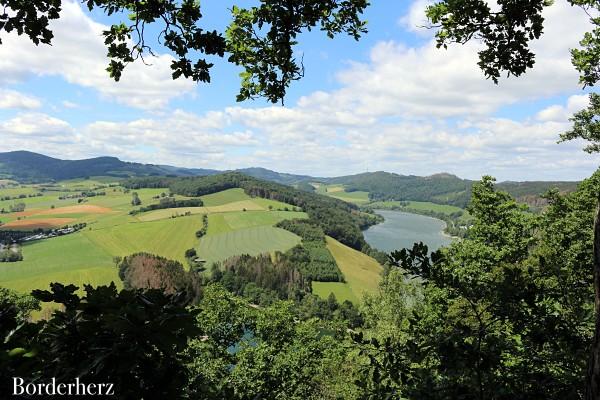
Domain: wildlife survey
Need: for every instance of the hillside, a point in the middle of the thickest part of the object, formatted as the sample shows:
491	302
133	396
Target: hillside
26	166
383	186
443	188
440	188
337	218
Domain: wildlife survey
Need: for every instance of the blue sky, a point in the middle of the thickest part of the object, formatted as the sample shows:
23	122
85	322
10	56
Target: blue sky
389	102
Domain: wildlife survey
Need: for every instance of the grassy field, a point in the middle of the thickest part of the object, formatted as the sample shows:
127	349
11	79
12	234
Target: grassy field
67	259
232	221
362	273
341	291
339	192
169	238
253	241
248	205
351	197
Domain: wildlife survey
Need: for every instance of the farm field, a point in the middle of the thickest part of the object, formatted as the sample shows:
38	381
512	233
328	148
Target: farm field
252	241
339	192
362	273
351	197
70	259
232	221
168	238
340	290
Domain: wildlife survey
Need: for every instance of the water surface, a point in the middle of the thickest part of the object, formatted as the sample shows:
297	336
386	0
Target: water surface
402	229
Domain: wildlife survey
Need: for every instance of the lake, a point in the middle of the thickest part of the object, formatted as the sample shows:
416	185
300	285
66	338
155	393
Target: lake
402	229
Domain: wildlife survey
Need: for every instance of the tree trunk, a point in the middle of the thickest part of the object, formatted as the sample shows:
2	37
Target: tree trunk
592	390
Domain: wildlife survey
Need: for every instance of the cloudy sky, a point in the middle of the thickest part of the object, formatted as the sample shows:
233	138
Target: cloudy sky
391	102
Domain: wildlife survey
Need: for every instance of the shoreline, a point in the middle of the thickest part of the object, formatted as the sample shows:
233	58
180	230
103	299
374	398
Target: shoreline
415	212
441	232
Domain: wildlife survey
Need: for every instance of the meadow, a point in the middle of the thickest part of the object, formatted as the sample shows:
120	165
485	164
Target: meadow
252	241
361	272
339	192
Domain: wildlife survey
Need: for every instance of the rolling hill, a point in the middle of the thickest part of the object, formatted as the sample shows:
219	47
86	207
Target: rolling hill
26	166
443	188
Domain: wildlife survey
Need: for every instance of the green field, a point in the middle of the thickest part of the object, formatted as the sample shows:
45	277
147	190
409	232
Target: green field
252	241
68	259
228	222
341	291
339	192
169	238
224	197
248	205
351	197
361	272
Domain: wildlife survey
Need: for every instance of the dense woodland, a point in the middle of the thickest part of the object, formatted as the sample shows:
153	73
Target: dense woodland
168	202
312	257
382	186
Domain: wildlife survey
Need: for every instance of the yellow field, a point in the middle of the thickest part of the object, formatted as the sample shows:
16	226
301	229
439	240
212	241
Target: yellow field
362	273
248	205
341	291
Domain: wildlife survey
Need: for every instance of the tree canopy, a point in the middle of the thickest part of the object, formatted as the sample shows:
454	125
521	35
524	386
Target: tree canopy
259	38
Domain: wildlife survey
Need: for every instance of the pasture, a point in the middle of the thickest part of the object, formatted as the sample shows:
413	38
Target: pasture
340	290
361	272
169	238
252	241
225	197
232	221
67	259
351	197
339	192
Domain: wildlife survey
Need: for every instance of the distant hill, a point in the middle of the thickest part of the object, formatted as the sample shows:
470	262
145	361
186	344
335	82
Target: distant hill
26	166
278	177
382	186
442	188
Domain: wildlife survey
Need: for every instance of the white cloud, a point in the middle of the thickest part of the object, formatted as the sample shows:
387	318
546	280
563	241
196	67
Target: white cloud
35	124
562	113
69	104
14	99
78	55
416	21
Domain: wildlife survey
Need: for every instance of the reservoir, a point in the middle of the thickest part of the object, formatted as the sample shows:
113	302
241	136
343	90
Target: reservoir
402	229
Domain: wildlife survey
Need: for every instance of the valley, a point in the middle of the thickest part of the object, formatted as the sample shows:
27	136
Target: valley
242	214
